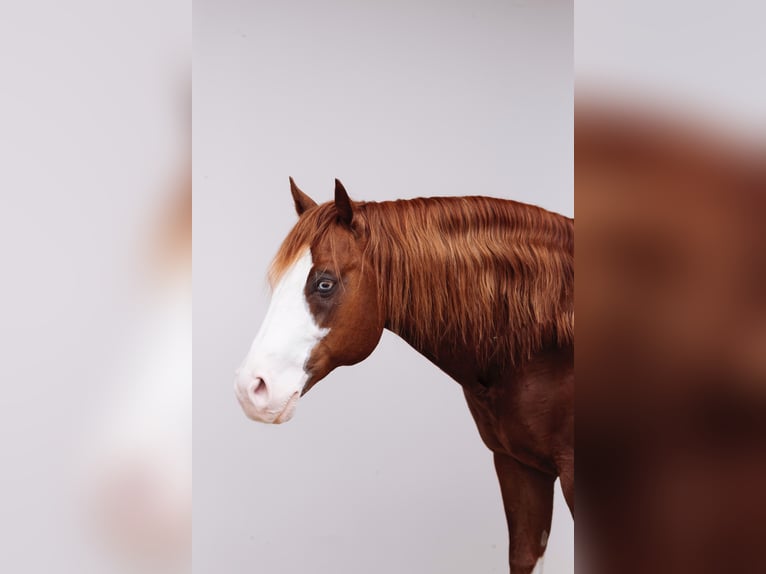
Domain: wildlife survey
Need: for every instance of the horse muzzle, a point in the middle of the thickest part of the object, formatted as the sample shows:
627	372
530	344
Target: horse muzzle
263	402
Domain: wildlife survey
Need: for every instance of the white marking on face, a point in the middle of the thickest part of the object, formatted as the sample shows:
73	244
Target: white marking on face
272	376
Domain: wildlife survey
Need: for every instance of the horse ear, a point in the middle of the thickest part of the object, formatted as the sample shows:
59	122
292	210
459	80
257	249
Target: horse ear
343	204
302	201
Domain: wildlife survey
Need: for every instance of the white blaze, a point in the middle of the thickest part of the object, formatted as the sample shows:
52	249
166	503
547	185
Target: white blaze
280	350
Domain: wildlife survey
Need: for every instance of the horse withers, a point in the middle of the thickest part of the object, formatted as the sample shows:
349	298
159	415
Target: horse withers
482	287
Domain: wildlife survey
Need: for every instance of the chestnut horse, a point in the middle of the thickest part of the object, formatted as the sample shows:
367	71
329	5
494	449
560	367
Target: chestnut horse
482	287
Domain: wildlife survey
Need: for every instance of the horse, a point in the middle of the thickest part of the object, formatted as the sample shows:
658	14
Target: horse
482	287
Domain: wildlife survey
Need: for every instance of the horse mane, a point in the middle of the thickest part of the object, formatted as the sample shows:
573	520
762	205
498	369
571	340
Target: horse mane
494	274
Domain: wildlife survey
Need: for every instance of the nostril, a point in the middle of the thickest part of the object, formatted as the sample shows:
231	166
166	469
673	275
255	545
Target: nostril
260	388
259	392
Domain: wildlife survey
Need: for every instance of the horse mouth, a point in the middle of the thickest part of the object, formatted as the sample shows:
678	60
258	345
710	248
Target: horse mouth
289	410
266	415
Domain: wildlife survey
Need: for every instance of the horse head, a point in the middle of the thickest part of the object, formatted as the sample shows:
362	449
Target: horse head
325	310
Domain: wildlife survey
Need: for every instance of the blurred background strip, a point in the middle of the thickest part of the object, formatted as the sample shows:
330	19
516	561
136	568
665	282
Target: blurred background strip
670	202
95	305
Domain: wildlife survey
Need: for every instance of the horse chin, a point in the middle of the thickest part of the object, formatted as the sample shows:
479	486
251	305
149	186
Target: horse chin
289	410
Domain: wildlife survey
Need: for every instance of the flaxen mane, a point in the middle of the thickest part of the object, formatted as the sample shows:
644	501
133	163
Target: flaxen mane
493	273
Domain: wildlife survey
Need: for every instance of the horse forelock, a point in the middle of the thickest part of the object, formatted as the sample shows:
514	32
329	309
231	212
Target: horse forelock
312	225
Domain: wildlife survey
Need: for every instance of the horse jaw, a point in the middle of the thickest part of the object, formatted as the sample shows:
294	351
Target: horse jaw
273	375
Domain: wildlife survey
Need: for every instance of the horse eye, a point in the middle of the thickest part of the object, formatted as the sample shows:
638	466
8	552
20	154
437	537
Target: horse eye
325	286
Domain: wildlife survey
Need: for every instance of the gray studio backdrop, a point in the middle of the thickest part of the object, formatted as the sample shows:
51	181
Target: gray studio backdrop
382	469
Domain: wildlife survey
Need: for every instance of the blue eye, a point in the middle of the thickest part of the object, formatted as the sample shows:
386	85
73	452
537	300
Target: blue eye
325	286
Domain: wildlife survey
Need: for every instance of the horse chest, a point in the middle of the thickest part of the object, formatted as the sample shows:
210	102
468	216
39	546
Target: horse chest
507	425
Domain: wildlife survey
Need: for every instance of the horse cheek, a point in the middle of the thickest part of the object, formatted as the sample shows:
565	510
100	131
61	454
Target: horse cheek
359	327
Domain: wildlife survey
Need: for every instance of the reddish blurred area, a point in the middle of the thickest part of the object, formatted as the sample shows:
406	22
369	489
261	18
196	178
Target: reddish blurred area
671	352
